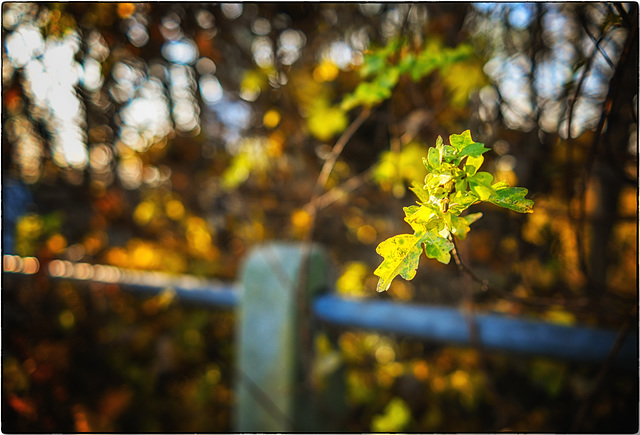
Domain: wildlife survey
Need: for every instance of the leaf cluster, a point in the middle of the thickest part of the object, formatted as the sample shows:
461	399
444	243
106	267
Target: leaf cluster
453	184
384	67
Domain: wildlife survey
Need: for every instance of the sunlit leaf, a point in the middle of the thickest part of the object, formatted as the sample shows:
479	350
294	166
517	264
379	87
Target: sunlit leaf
251	158
512	198
372	93
473	164
433	158
460	226
420	192
438	247
325	122
400	167
422	217
480	184
401	257
437	216
462	79
462	200
351	282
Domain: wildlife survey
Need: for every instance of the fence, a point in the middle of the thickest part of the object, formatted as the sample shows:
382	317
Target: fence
269	396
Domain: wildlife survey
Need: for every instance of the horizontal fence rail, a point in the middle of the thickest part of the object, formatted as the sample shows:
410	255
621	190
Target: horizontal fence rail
188	288
450	325
432	323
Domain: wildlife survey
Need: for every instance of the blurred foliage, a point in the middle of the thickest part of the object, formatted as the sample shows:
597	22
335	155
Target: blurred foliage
98	359
175	136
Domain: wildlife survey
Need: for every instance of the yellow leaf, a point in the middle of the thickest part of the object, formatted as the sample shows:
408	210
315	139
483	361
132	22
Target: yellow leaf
461	79
326	71
325	122
351	282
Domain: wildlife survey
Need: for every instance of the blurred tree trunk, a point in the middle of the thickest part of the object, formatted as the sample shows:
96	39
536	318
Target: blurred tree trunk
610	151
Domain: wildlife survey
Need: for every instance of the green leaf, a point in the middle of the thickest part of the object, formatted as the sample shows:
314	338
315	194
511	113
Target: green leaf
437	246
407	63
471	218
401	255
431	181
480	184
388	78
461	185
460	225
449	153
410	210
462	200
512	198
433	159
499	185
366	94
483	192
372	93
466	145
421	218
373	63
420	192
375	60
484	178
460	141
473	150
473	164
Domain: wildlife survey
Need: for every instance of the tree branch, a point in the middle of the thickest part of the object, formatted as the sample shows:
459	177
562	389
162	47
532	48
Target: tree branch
485	285
303	305
337	150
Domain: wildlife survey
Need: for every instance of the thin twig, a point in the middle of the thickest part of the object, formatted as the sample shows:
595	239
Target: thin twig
303	305
485	285
333	195
597	44
621	11
337	150
474	338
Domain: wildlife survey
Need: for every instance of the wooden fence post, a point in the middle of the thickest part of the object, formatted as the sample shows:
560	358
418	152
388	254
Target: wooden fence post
269	386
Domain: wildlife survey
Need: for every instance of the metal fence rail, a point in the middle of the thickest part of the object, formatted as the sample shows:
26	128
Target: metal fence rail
449	325
436	323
